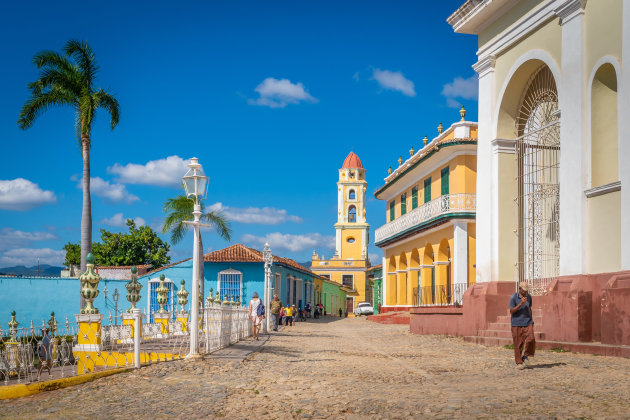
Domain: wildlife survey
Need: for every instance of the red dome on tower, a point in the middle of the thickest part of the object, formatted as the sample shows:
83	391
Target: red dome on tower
352	161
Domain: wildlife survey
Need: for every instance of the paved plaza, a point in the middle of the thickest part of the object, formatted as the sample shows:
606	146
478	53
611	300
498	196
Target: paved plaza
349	368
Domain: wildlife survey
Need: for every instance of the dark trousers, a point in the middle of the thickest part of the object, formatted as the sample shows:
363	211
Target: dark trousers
289	320
523	338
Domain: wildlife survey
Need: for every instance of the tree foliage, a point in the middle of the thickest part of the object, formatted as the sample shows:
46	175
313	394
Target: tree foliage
73	254
141	245
180	208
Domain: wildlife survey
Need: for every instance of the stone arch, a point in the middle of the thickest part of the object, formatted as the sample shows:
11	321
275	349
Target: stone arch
603	109
603	145
515	83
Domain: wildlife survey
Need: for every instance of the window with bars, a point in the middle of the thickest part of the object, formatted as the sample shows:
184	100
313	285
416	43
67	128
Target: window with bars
403	204
427	190
348	280
444	181
153	305
230	284
414	197
392	210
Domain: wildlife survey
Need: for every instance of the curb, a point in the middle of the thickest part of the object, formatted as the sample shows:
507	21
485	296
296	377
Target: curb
23	390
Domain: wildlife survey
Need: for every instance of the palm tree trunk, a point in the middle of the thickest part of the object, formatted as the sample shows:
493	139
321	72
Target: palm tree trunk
86	216
201	274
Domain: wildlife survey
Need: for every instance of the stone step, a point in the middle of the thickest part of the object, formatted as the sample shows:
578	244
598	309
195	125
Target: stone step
588	348
506	334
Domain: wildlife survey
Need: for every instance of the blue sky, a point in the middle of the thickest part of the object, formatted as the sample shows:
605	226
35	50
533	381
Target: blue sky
270	96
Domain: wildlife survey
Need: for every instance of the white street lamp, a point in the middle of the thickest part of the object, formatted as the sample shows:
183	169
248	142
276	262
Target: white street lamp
268	259
196	185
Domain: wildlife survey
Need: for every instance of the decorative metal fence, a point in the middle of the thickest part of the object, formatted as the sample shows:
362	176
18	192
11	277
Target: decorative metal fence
440	295
57	350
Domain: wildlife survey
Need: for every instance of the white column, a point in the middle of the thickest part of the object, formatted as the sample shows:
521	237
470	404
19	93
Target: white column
572	177
624	138
487	252
460	252
338	242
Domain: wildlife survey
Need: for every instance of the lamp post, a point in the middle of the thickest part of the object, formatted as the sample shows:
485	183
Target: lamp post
268	259
115	296
196	185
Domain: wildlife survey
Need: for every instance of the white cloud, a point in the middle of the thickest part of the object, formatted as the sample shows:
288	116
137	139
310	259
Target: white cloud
375	259
28	257
166	172
119	221
460	88
262	216
11	238
278	93
293	243
112	192
394	80
21	194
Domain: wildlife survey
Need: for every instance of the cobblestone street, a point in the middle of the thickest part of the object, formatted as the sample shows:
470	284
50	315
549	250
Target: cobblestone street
351	368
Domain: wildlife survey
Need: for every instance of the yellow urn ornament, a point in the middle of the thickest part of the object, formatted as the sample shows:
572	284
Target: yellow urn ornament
89	286
162	295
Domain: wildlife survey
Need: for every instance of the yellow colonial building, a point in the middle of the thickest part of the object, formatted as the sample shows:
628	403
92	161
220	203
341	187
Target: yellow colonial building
429	238
349	264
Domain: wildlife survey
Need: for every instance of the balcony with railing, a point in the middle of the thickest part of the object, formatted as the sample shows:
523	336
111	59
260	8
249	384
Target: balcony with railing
453	205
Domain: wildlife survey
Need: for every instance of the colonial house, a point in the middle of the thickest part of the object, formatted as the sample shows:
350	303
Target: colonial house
552	181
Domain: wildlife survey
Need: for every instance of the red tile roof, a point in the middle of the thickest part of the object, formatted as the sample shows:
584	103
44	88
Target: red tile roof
352	161
242	253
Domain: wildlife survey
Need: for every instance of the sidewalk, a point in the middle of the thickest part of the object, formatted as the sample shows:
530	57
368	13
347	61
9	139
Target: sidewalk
241	350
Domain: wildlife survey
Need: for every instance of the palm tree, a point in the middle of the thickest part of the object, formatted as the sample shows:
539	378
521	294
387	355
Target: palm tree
67	79
178	210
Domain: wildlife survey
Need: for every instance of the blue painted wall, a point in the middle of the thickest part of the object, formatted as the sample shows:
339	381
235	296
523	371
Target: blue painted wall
33	298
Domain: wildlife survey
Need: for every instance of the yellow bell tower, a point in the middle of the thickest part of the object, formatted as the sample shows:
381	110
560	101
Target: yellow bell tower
352	228
348	265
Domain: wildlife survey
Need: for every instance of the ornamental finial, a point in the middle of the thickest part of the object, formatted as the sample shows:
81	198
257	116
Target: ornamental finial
411	151
440	128
389	171
425	140
400	161
462	113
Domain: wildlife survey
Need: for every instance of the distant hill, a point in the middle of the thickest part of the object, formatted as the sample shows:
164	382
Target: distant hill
45	270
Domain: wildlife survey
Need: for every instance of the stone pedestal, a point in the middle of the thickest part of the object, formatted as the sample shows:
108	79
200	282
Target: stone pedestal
89	341
128	319
182	318
162	319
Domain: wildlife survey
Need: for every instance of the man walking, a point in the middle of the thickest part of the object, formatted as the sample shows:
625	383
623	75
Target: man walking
275	307
522	326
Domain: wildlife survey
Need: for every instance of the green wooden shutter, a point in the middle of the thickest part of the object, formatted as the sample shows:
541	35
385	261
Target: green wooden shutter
392	210
427	190
414	197
403	204
444	181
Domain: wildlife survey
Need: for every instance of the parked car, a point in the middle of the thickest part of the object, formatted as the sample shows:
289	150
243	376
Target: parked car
364	308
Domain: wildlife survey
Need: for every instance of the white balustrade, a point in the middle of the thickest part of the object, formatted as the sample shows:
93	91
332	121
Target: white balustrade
466	204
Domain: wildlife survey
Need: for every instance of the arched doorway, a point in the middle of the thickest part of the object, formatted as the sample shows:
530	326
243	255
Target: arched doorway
537	125
413	276
427	289
444	292
402	279
390	298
